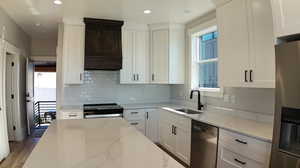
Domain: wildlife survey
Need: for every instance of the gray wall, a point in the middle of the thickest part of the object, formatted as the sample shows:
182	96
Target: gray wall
14	34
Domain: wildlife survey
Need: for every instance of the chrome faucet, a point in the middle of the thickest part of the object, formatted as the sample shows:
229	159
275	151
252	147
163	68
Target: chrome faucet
200	105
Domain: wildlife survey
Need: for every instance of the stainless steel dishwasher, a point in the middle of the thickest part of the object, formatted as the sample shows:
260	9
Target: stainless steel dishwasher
204	147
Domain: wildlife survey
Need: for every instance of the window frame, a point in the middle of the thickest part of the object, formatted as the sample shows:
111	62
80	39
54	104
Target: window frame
196	32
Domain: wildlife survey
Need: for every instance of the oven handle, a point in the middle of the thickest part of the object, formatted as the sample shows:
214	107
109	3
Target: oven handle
103	116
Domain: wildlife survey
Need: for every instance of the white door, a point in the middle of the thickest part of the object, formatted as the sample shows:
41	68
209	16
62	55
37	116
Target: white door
10	96
183	144
73	54
262	50
286	17
152	119
126	74
160	56
167	138
30	96
141	56
233	43
4	147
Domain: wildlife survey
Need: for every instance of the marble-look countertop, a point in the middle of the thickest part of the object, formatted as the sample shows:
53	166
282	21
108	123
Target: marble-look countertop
95	143
149	105
251	128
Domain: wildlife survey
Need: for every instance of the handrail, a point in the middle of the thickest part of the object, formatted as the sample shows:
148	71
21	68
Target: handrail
44	112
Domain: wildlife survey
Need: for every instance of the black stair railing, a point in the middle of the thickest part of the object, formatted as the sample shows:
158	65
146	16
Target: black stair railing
44	112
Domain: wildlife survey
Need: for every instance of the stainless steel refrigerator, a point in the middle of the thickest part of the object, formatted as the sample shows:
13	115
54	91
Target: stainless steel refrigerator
286	139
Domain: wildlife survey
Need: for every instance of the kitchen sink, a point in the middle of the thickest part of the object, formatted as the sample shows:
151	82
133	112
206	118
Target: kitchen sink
189	111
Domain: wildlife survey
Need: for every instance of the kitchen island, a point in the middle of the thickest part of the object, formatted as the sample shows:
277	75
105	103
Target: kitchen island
97	143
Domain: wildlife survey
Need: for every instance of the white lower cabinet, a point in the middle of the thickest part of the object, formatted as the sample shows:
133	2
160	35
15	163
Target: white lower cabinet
175	134
145	120
239	151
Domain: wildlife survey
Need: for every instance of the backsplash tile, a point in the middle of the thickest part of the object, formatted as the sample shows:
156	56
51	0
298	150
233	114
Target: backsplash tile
104	87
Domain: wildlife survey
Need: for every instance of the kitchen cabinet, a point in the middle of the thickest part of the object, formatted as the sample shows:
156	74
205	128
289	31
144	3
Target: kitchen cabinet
236	150
246	44
286	17
145	120
135	44
73	53
167	53
175	134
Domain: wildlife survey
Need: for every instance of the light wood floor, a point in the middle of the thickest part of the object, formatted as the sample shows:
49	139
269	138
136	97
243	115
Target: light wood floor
19	153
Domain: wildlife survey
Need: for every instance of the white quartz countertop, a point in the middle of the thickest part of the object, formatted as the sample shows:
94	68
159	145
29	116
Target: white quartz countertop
149	105
255	129
95	143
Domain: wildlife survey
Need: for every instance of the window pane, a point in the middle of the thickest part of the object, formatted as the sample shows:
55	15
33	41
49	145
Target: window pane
208	75
208	46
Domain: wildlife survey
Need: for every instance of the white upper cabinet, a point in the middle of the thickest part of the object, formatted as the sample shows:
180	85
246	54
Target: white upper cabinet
135	46
167	53
73	53
286	17
246	44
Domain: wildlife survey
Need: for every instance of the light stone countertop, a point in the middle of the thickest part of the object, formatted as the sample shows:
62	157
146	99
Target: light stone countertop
95	143
251	128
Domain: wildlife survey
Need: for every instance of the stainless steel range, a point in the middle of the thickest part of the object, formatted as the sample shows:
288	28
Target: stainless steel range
102	110
286	139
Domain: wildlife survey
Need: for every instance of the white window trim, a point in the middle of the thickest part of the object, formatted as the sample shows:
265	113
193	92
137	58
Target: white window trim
199	30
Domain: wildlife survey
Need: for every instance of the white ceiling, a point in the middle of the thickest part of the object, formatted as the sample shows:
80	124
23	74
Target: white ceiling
28	13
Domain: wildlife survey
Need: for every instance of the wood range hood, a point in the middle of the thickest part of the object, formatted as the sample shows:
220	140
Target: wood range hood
103	44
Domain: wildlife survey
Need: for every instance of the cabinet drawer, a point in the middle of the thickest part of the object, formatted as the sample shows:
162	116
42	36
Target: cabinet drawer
72	115
134	114
138	124
229	159
246	146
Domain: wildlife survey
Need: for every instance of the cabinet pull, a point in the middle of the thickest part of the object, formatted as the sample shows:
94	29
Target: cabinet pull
135	123
147	115
152	77
240	141
72	115
246	78
175	130
137	77
241	162
133	77
134	112
80	76
251	75
172	129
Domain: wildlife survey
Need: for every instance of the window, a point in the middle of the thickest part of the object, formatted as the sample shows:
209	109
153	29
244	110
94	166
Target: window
205	60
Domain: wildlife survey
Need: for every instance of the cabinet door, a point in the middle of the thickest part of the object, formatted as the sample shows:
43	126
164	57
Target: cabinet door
160	56
286	17
167	138
262	50
152	125
141	56
73	54
139	125
233	44
183	144
126	74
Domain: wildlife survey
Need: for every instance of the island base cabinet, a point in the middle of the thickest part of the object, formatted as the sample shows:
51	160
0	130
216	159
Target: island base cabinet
183	144
166	136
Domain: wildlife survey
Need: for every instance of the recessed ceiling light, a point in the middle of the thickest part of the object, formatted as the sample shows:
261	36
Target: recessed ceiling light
57	2
37	24
147	11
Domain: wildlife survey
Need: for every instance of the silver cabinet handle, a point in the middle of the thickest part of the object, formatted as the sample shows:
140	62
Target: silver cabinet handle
135	123
251	71
133	77
138	78
134	112
72	115
240	162
246	76
152	77
80	76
